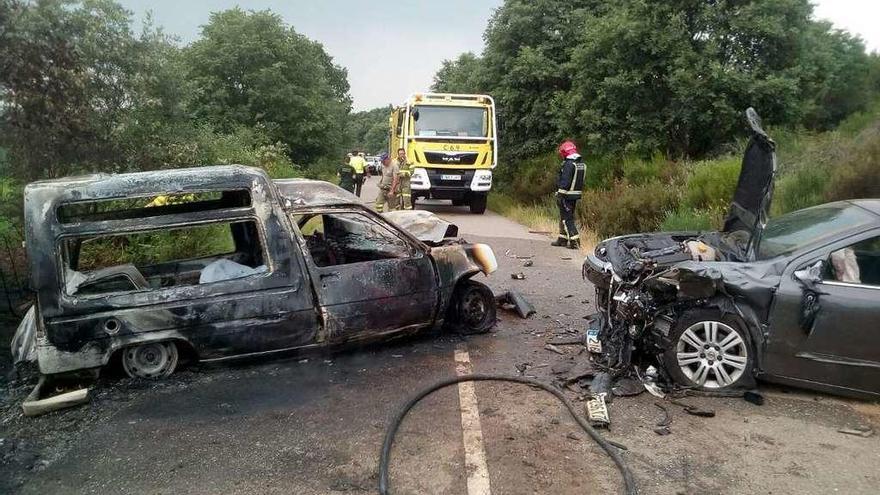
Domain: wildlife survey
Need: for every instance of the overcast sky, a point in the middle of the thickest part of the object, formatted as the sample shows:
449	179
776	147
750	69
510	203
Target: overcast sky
393	48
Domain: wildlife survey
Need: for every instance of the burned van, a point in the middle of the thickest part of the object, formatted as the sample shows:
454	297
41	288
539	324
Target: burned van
221	262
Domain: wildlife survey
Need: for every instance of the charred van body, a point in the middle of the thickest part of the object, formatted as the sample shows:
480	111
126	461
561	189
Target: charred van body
221	262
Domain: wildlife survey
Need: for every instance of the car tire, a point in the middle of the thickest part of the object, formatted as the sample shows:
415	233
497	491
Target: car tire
710	350
478	204
472	309
151	361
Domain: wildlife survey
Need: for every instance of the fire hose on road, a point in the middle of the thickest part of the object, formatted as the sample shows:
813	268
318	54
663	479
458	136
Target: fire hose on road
628	479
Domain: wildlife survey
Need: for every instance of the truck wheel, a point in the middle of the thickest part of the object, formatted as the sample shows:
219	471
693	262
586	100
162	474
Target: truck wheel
710	350
472	309
478	204
152	361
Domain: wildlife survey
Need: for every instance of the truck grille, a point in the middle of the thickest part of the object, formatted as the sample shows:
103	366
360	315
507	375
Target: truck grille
437	180
450	157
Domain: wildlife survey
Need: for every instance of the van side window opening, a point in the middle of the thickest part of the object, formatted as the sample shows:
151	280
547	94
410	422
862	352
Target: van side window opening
164	258
345	238
151	206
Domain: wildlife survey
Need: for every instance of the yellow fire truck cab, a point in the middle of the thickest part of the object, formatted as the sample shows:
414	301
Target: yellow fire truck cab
451	142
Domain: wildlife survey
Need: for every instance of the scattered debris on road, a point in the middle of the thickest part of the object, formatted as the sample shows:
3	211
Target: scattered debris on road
566	341
597	411
518	276
515	301
694	410
511	254
37	403
553	348
528	263
859	431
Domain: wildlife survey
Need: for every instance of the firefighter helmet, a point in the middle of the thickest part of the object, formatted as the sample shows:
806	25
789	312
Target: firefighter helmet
567	148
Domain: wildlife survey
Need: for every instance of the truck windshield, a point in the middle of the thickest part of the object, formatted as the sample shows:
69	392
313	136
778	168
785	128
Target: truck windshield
450	121
788	233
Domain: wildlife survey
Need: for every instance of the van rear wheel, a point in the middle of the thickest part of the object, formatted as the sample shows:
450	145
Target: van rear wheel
151	361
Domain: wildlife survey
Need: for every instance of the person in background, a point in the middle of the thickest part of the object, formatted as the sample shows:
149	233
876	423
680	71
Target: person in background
570	184
389	179
405	173
346	174
358	164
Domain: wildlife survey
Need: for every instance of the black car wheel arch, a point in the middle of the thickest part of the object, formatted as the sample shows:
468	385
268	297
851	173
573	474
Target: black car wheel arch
472	309
687	359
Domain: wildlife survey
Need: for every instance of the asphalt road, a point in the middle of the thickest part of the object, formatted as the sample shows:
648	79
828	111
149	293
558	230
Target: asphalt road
313	424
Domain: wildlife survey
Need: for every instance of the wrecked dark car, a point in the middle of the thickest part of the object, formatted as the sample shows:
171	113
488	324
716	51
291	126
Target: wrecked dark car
219	262
793	300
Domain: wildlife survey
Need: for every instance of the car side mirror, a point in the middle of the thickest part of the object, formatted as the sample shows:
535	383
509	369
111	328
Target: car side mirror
415	115
811	275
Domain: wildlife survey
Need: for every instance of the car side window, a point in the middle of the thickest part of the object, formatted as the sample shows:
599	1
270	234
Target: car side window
856	264
345	238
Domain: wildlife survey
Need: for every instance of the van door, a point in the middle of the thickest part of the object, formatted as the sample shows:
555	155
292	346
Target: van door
228	287
369	278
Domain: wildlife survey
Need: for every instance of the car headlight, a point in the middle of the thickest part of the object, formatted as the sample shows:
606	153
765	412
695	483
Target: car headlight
484	257
482	180
419	180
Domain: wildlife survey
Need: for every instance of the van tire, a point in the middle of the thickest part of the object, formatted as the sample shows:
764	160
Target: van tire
150	360
472	309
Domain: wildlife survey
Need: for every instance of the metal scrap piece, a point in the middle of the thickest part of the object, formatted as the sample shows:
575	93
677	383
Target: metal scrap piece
597	411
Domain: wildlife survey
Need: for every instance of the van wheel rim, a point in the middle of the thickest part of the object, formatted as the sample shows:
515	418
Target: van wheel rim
153	360
473	308
711	354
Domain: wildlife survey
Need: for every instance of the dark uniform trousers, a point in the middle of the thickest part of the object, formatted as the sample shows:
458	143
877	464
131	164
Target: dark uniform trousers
567	227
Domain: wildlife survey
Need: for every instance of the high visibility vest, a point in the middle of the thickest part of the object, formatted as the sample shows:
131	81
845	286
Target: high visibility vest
358	164
577	181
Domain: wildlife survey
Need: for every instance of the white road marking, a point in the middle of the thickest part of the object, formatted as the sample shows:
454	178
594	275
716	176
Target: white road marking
474	453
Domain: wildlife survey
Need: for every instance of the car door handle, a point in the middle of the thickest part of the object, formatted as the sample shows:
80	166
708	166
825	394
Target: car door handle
329	275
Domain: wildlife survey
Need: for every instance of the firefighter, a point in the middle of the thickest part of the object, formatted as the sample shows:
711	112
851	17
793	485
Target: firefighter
405	174
388	184
346	174
358	164
569	186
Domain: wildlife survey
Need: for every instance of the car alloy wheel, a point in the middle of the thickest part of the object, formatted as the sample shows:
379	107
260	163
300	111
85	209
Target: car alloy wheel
712	354
152	361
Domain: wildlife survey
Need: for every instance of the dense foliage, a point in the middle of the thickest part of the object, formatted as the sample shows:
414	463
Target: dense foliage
637	76
80	92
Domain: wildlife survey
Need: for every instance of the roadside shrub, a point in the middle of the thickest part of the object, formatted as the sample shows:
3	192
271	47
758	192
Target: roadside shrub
858	174
686	219
639	171
626	208
799	189
710	184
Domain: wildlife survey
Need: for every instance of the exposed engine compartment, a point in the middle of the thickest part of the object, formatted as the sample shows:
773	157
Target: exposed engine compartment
642	287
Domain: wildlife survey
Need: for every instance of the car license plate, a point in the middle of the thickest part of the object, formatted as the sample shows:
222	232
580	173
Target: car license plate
594	345
450	177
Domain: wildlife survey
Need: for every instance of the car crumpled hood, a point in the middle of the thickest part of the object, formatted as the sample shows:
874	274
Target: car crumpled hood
423	225
754	190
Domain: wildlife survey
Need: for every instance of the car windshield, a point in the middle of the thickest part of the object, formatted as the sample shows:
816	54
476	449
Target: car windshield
788	233
450	121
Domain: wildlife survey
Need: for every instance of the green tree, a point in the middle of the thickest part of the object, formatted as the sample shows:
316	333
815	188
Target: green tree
368	130
250	69
462	75
65	79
